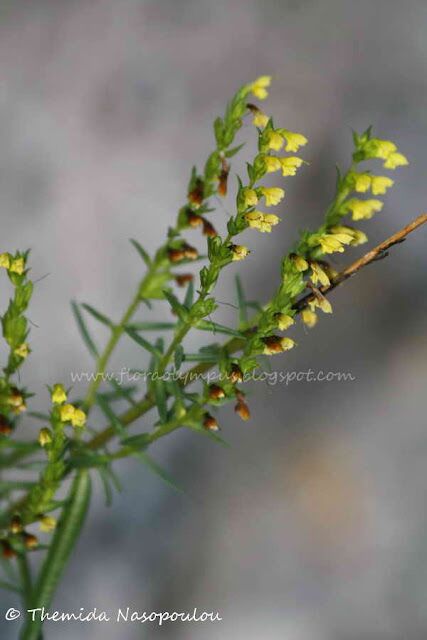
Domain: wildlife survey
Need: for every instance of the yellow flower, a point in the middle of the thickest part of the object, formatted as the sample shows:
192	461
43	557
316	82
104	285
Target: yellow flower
284	321
4	260
66	412
395	160
275	141
290	165
300	263
318	275
380	184
17	266
45	437
321	303
293	140
362	182
287	343
22	351
47	524
272	164
250	197
272	195
239	252
58	395
359	238
381	148
78	419
334	242
260	119
363	209
259	87
309	318
261	221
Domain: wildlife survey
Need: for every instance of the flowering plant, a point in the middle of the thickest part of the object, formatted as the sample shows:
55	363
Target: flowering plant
65	446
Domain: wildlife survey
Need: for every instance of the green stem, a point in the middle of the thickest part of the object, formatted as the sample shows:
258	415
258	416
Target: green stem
25	575
59	552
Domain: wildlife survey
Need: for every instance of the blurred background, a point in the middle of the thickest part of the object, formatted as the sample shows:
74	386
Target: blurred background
311	526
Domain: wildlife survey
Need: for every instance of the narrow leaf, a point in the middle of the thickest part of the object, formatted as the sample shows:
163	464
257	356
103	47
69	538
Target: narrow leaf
241	301
142	342
158	470
97	315
110	415
83	330
207	325
161	399
151	326
142	252
189	296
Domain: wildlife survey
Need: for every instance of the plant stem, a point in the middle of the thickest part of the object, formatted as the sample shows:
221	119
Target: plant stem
25	575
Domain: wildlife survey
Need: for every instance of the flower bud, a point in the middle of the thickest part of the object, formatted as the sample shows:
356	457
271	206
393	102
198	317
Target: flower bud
30	540
183	278
58	395
216	392
190	252
242	410
8	551
45	437
5	426
196	194
194	220
300	263
47	524
210	423
15	524
208	229
176	255
236	374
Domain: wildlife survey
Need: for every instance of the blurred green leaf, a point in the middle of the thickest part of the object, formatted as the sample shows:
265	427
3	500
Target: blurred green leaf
98	315
83	330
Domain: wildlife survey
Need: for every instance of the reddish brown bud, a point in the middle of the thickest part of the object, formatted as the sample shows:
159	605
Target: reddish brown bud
242	410
194	220
210	423
273	344
190	252
183	278
208	229
8	551
196	195
235	374
216	392
5	426
176	255
223	179
30	540
15	525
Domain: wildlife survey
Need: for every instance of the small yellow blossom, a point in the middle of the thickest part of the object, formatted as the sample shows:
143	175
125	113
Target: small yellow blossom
363	209
290	165
381	148
45	437
309	318
284	321
259	87
239	252
22	351
299	262
260	119
272	195
334	242
78	419
395	160
66	412
4	260
250	197
359	237
318	275
17	266
261	221
362	182
58	395
322	303
272	164
380	184
293	140
47	524
275	141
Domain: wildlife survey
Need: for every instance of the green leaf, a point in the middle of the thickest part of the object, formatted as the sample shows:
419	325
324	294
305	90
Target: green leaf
140	441
110	415
142	342
210	434
189	296
151	326
179	356
158	470
106	485
177	307
63	542
241	301
9	587
160	397
122	391
142	252
232	152
83	330
214	327
97	315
